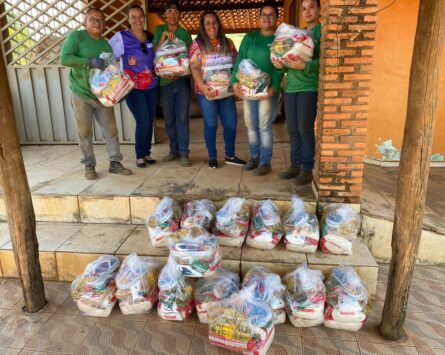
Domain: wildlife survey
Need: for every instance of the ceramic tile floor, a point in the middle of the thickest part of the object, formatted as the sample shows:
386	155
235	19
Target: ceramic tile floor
59	329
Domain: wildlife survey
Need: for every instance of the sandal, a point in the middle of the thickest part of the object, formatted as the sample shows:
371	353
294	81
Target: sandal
149	160
142	164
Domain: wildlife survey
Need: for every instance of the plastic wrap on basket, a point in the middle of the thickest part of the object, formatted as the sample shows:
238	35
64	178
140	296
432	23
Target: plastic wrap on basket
232	222
164	221
253	81
94	291
111	84
340	227
172	59
301	228
291	42
212	289
218	78
268	288
175	293
137	285
198	213
265	227
195	251
305	296
241	323
346	301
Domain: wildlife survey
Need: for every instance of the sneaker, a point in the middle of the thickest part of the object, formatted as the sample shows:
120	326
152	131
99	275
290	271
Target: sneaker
170	157
117	168
185	161
290	173
235	161
304	178
90	172
213	163
252	164
262	170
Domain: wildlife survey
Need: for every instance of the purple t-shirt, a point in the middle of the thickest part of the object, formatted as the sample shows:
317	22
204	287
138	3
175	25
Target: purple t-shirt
136	58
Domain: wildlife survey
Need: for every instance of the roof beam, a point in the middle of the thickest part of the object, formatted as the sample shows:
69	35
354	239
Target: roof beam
157	8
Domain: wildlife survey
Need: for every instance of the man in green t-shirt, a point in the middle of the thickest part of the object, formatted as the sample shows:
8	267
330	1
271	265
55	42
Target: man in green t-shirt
81	52
175	91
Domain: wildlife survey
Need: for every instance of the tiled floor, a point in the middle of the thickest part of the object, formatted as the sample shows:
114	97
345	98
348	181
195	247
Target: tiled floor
60	329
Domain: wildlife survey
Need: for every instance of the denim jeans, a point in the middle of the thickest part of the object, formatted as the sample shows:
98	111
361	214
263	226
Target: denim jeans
301	111
226	109
84	111
142	104
175	100
258	117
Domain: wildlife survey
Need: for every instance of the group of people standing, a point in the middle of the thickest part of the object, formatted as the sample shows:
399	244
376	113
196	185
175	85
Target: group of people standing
135	48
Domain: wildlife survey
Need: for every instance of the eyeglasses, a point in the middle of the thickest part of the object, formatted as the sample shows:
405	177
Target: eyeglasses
271	16
93	20
143	48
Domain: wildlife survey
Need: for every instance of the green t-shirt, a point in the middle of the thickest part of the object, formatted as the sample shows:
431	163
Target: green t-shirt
180	33
79	46
255	46
307	79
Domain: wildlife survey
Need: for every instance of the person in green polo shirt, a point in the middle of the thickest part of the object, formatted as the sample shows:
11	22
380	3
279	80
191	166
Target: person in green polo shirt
81	51
300	101
175	91
260	114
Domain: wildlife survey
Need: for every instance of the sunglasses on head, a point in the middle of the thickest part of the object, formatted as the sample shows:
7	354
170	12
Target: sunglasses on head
143	48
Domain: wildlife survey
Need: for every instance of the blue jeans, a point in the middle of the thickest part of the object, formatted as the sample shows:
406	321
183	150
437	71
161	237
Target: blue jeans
301	111
142	104
258	117
175	100
226	109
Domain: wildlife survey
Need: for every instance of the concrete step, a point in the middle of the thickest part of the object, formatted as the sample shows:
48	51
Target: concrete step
66	248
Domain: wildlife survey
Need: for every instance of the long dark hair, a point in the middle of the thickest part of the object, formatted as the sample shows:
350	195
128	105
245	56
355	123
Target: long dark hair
204	40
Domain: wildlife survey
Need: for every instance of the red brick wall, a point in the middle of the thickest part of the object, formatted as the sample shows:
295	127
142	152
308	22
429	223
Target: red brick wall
347	43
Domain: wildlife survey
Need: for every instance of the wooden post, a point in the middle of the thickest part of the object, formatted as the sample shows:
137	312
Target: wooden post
21	219
414	163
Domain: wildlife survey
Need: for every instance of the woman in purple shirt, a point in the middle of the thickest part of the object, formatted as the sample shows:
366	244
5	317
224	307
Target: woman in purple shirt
134	48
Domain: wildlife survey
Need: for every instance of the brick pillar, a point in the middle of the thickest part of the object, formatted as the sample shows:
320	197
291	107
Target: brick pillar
347	42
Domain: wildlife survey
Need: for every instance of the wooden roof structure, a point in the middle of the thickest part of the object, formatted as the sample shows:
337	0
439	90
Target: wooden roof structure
237	16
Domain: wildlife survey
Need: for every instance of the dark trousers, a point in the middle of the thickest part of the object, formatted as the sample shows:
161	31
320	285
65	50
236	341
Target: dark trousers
142	104
301	111
175	99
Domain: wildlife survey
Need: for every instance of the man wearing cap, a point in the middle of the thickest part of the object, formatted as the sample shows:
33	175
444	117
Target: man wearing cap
175	91
81	52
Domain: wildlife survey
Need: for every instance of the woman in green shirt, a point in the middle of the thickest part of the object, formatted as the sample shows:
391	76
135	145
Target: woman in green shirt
260	114
300	101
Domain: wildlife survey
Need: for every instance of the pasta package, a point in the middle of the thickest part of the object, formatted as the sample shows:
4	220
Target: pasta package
254	82
172	58
305	297
241	323
340	227
198	213
164	221
346	300
301	228
232	222
291	42
137	285
195	251
111	84
265	227
175	293
94	291
215	288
